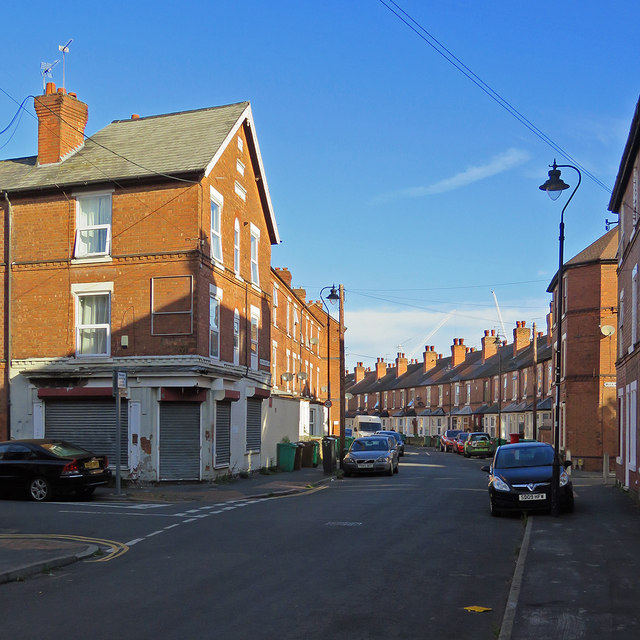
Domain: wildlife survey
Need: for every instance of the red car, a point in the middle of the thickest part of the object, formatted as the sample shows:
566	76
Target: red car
448	439
458	443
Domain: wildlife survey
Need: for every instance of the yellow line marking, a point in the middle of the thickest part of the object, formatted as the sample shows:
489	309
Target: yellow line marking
301	493
117	549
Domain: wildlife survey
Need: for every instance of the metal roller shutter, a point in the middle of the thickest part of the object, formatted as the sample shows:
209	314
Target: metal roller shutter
254	424
90	424
179	441
223	434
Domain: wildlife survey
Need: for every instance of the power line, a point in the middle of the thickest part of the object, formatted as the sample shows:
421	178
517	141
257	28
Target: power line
437	46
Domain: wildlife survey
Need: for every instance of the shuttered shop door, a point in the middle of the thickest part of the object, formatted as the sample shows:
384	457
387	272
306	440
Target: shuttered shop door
179	441
90	424
254	424
223	434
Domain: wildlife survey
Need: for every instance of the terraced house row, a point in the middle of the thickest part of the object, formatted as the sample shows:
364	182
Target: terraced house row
504	388
146	249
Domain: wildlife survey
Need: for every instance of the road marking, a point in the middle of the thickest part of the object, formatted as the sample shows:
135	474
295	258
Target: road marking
172	526
155	533
132	542
506	628
117	505
117	548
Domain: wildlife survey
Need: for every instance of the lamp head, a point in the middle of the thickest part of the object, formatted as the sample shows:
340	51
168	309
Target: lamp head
333	296
555	185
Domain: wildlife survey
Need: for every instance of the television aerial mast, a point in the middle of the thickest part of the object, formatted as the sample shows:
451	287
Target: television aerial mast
45	71
64	49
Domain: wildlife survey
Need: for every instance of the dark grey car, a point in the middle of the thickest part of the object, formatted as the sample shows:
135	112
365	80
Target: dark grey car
397	437
372	454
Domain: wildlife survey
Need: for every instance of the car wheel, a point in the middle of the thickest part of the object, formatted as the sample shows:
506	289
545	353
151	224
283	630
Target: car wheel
466	455
397	468
568	508
390	472
85	493
40	489
496	513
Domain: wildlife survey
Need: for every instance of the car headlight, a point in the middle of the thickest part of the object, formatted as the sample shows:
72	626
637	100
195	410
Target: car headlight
383	459
499	484
564	478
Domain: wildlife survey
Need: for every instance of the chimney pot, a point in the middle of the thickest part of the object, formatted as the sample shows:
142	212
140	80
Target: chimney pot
62	91
135	116
50	88
73	94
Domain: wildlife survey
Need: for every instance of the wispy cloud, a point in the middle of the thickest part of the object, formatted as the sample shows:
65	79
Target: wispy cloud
498	164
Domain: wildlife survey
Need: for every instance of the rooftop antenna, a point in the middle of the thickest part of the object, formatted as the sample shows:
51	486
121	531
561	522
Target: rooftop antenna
45	70
64	49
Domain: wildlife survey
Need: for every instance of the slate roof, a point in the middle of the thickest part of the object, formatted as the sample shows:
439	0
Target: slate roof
604	249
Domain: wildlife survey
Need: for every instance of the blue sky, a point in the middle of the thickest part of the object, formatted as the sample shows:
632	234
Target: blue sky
389	171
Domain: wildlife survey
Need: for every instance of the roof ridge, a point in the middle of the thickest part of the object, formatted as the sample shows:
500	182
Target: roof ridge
179	113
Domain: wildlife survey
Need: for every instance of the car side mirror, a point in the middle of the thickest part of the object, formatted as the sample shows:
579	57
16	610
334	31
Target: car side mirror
568	463
486	468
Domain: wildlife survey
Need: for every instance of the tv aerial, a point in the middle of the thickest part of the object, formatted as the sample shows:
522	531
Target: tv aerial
45	70
64	49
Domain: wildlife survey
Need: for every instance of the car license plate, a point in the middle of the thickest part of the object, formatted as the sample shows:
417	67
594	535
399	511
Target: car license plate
366	465
533	496
91	464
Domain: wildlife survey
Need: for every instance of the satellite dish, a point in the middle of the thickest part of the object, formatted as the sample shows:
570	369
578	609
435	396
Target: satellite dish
607	330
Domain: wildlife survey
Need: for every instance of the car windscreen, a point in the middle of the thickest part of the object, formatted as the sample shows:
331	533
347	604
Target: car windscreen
373	444
371	427
524	457
480	438
64	449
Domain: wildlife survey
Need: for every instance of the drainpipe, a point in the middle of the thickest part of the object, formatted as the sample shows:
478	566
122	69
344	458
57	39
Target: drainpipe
7	309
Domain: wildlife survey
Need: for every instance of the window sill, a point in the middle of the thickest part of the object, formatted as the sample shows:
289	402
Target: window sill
92	260
256	287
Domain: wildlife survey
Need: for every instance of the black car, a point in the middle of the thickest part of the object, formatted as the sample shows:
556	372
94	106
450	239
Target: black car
43	467
520	479
398	438
371	454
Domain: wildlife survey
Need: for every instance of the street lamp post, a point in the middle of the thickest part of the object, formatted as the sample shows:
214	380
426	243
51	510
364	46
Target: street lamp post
332	298
554	186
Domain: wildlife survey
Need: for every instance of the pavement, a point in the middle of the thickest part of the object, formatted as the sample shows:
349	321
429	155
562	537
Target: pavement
577	575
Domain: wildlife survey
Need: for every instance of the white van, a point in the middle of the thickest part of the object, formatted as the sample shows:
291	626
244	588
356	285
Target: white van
366	426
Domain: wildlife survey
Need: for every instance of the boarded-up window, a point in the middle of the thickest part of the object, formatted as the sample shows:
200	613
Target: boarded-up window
171	305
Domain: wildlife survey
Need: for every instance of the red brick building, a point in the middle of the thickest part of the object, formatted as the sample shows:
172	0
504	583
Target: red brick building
144	248
588	376
624	202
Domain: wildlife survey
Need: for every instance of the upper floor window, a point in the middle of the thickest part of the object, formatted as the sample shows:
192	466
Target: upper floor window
296	324
255	240
236	247
240	144
215	295
468	390
255	321
217	201
457	395
93	226
440	394
93	319
236	337
275	306
428	402
240	167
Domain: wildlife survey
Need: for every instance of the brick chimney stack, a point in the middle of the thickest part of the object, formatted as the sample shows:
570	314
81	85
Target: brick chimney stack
458	351
61	122
301	293
401	365
489	346
521	337
429	358
358	372
381	368
285	275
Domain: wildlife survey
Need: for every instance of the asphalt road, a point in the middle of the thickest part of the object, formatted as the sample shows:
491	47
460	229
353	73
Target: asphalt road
367	557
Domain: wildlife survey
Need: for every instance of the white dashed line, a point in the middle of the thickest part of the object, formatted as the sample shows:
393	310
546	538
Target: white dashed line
132	542
155	533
